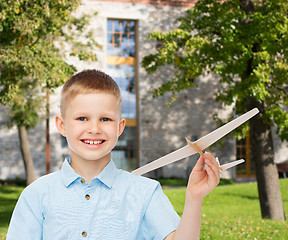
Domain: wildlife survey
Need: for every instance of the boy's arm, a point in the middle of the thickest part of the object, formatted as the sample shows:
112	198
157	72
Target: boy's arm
201	183
26	221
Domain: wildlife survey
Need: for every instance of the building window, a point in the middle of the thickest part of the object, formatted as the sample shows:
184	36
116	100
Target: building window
124	75
121	66
243	152
121	38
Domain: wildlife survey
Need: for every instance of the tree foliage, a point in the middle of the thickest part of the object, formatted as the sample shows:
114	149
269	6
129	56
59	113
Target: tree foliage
243	42
34	36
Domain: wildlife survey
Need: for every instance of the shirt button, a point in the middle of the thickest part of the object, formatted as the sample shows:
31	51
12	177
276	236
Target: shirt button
82	180
84	234
87	196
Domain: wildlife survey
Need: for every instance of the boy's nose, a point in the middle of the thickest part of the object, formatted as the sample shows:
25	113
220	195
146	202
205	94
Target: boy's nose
94	128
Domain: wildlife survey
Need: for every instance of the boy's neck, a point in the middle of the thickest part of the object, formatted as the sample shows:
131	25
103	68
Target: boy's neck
89	168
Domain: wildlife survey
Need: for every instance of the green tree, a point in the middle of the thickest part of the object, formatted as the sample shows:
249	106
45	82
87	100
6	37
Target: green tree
236	39
34	36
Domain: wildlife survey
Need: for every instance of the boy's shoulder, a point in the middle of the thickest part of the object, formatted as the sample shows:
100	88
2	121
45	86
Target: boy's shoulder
48	178
44	183
139	182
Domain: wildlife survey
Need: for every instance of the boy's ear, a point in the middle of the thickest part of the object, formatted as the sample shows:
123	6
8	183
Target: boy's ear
60	125
122	123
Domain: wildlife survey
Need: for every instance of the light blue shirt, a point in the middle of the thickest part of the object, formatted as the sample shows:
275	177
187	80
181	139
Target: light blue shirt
114	205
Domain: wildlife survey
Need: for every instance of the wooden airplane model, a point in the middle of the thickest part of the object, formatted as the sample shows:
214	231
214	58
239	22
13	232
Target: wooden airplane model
199	145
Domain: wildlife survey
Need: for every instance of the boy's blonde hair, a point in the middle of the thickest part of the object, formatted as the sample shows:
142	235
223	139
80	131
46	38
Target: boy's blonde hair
89	81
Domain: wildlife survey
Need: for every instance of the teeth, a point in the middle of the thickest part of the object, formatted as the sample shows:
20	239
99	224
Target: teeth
92	142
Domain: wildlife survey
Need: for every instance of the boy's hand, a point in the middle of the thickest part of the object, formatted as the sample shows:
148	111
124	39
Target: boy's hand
203	181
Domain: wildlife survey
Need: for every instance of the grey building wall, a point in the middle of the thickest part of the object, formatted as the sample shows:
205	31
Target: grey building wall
11	163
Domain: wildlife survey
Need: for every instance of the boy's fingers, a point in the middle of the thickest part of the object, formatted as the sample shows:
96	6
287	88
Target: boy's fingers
199	164
217	161
213	164
214	167
212	159
214	177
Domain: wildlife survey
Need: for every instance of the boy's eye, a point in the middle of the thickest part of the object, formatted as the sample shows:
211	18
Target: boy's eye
82	119
105	119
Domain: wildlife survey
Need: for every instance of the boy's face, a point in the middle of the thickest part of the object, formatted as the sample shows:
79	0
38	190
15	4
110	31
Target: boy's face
91	124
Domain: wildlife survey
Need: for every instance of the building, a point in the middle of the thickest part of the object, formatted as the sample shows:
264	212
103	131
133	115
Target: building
153	129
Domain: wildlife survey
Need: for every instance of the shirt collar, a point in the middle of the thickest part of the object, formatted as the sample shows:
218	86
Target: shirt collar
107	176
68	174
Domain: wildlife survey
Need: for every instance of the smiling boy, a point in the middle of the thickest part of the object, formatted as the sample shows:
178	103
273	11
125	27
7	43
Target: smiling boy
91	124
89	198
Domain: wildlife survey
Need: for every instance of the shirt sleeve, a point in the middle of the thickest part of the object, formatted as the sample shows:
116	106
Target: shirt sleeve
160	218
26	221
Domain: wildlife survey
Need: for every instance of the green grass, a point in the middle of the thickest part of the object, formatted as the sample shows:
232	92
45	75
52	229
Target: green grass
233	212
229	212
176	182
8	199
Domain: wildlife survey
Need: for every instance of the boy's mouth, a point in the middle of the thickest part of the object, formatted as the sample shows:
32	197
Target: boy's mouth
92	142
